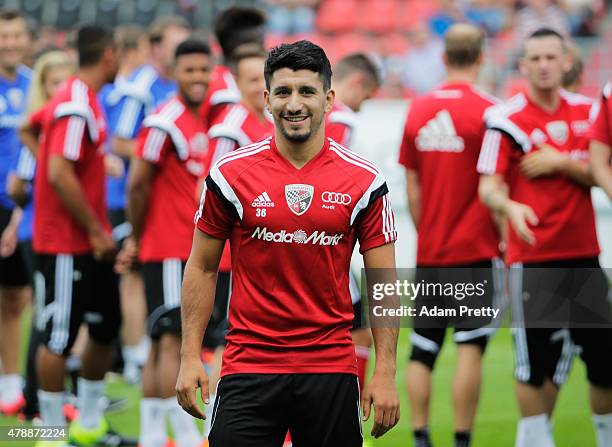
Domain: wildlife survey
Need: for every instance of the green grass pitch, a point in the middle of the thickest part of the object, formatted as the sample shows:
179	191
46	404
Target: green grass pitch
497	415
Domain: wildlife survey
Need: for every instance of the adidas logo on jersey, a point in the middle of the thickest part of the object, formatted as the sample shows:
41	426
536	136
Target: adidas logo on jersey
298	236
439	134
263	200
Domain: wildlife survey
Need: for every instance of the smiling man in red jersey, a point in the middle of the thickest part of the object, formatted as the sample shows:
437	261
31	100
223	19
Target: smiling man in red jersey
290	361
535	172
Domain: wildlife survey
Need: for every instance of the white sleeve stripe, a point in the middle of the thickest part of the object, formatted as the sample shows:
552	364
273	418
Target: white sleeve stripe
353	155
201	207
26	164
127	118
234	155
223	147
385	219
487	161
74	138
352	161
244	149
226	189
153	145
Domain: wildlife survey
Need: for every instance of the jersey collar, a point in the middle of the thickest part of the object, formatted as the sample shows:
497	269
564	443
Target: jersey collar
308	166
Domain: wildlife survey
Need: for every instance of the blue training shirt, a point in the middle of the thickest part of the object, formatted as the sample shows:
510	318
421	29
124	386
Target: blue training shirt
13	95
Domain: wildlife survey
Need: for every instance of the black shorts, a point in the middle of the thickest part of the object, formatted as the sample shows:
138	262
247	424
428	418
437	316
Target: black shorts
216	330
76	290
29	259
13	270
256	410
549	327
429	333
163	281
121	227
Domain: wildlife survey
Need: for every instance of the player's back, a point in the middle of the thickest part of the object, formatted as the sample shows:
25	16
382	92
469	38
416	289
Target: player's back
442	140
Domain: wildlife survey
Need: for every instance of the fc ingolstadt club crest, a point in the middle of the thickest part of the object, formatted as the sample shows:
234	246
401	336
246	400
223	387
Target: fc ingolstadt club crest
299	197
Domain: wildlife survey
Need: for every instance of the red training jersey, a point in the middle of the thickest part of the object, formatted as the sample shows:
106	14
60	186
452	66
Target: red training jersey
222	93
339	123
74	128
441	142
174	140
236	127
566	228
601	129
292	233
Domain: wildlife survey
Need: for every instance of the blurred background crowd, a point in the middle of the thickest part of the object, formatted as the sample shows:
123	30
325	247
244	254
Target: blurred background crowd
405	35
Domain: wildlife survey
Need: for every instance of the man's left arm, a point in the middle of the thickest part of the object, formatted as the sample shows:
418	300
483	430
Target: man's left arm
547	160
376	234
381	391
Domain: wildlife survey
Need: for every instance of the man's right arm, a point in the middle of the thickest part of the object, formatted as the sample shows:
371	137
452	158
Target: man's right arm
600	165
198	296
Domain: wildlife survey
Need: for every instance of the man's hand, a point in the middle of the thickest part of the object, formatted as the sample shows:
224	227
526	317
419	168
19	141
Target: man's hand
127	257
8	242
113	165
192	376
104	247
381	392
520	217
545	161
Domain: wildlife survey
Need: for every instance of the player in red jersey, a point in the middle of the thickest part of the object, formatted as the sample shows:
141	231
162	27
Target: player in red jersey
440	147
235	26
72	240
355	80
162	194
289	361
534	162
239	125
601	142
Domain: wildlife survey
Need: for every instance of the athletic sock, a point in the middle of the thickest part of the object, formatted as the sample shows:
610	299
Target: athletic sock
142	350
463	438
52	408
363	354
152	423
421	437
130	354
12	388
89	402
184	426
534	431
209	414
603	429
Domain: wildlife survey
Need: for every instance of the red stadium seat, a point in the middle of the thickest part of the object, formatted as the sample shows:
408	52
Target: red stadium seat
336	16
378	16
345	44
392	44
415	11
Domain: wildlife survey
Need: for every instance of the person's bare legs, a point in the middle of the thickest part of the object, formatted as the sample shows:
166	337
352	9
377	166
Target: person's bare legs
466	386
536	405
134	312
418	385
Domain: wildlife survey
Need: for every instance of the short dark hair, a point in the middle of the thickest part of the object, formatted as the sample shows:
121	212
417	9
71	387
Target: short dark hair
12	14
91	42
463	45
548	32
158	28
300	55
238	25
246	51
357	62
191	46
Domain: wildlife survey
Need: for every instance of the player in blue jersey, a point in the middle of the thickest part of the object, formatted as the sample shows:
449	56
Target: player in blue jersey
14	289
126	106
132	46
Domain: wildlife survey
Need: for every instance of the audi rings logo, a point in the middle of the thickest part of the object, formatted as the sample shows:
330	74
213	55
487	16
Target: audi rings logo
336	197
